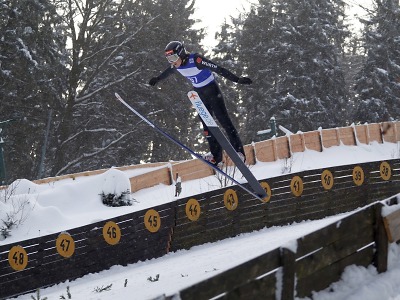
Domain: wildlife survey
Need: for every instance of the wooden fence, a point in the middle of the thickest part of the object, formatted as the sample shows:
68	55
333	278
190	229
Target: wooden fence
278	148
265	151
208	217
317	260
40	262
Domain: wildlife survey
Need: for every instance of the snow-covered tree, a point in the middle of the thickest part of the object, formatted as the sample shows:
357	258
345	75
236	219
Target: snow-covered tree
292	51
61	62
32	66
118	46
243	47
378	83
167	102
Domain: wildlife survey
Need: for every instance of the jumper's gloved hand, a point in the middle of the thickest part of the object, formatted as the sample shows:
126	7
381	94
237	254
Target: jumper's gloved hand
245	80
153	81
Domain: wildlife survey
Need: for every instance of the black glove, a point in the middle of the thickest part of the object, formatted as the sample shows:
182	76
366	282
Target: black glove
153	81
244	80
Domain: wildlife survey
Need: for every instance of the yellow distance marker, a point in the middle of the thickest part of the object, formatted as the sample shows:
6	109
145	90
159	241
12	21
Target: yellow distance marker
111	233
65	245
327	179
193	209
267	188
358	175
152	220
231	199
296	185
18	258
385	170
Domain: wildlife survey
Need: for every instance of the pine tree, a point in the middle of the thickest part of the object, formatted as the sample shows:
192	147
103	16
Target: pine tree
242	48
378	83
310	86
168	99
292	51
31	69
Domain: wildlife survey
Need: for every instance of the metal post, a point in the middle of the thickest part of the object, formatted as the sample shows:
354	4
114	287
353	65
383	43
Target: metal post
268	133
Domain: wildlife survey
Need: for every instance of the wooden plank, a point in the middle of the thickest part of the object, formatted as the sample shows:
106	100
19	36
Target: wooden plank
188	240
348	205
219	231
333	232
347	136
253	218
313	210
286	205
323	256
325	277
191	169
141	166
96	172
219	222
262	288
189	225
392	226
149	179
330	137
296	143
282	147
265	151
250	226
397	130
383	190
312	140
250	155
15	288
361	132
381	240
289	278
250	205
388	132
374	133
233	278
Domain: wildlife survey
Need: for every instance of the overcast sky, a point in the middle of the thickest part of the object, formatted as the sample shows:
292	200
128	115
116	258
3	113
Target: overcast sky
213	12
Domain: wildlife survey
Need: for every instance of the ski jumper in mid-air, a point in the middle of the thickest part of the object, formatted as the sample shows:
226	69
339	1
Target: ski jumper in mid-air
199	71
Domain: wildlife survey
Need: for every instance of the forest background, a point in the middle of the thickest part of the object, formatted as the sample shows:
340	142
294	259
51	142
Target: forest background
62	60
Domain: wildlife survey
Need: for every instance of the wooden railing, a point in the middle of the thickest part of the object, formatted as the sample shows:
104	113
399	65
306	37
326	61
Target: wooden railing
317	260
277	148
265	151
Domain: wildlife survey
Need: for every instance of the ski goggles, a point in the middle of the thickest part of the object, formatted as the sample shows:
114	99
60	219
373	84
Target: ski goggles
172	57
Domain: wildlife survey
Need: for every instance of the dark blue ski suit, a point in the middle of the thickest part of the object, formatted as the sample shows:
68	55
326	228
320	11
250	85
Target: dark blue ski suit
199	71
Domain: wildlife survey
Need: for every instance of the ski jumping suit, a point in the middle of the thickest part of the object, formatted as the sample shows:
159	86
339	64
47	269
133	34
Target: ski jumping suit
199	70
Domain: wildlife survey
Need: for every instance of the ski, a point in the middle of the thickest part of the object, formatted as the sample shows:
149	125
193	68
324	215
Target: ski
187	148
223	141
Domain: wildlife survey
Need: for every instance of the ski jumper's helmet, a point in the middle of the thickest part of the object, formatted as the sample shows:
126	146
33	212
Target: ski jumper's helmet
175	50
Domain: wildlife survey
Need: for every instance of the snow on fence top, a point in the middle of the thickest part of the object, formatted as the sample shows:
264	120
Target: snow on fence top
265	151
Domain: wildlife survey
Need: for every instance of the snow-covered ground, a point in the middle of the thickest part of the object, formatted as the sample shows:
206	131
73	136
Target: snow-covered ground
61	205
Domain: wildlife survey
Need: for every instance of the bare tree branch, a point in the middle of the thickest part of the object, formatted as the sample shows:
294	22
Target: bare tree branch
108	58
88	155
87	96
